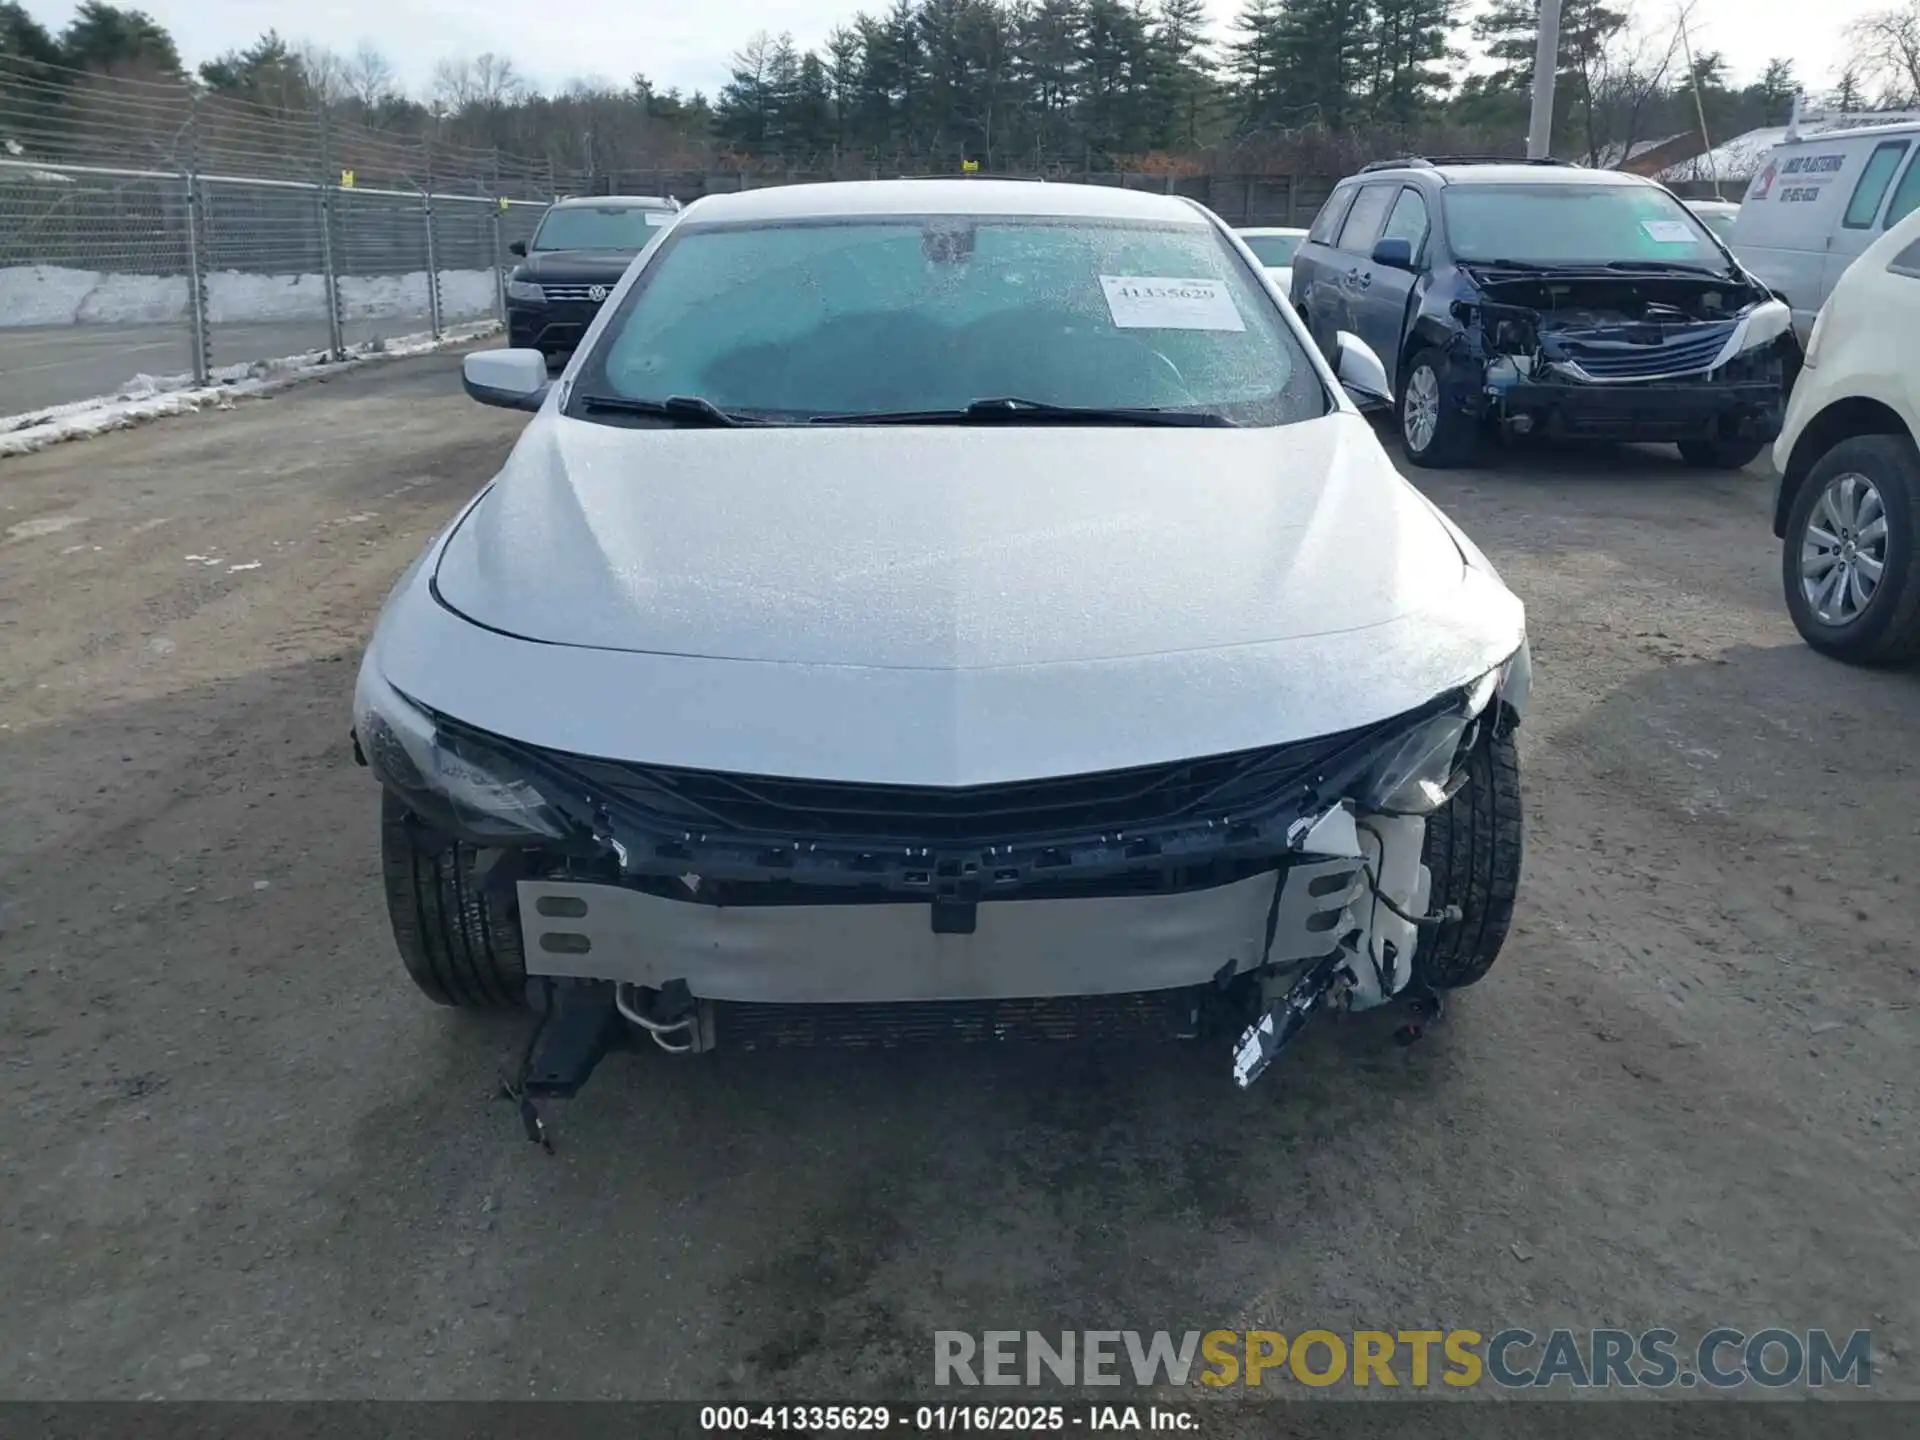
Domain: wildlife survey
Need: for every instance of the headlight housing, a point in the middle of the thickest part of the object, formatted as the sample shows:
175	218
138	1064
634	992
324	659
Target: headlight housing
1767	322
458	785
526	290
1422	770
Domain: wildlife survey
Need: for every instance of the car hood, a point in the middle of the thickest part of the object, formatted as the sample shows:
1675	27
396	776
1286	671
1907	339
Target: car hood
947	548
586	266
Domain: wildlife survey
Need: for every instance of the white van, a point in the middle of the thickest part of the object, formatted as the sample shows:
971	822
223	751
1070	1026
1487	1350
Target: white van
1818	202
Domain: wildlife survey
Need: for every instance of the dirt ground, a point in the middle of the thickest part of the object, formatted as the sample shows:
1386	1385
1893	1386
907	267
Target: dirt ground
241	1157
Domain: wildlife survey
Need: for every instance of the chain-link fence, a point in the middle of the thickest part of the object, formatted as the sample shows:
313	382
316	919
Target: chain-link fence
148	230
157	229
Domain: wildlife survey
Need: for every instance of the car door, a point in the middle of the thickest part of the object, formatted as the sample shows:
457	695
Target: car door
1332	305
1314	263
1380	293
1858	227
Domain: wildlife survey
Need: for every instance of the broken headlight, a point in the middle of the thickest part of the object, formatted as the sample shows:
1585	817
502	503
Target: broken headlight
448	780
1764	324
1421	770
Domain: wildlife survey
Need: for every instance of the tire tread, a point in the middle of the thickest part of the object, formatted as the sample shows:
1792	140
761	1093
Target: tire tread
1474	851
460	945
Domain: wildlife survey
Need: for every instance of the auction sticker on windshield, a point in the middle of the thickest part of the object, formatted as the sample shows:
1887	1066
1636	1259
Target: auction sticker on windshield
1668	232
1162	302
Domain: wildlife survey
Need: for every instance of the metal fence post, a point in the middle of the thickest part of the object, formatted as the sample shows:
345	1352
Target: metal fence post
336	346
197	284
433	263
196	268
498	206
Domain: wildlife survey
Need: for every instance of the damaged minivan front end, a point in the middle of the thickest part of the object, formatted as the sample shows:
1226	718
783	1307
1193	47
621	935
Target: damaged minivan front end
1605	355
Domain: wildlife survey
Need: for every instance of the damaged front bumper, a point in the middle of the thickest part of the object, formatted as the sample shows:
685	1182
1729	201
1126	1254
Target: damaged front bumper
677	890
1700	409
1654	375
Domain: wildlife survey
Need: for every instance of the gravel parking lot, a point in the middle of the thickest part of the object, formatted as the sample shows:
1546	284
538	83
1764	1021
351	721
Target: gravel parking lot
241	1157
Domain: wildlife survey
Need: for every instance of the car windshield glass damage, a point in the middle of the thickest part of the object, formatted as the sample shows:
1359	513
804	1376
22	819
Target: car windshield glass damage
599	227
1274	249
949	319
1583	224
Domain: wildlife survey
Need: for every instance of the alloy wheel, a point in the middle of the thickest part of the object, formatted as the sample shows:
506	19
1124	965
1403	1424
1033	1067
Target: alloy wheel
1844	550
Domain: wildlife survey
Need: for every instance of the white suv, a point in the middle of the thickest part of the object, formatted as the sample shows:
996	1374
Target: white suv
1849	501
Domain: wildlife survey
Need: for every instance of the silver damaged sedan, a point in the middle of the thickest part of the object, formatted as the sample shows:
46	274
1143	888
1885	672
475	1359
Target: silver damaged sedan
943	607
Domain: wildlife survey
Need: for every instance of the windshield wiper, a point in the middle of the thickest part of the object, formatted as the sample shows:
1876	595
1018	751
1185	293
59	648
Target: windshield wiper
680	409
1514	265
1010	410
1664	267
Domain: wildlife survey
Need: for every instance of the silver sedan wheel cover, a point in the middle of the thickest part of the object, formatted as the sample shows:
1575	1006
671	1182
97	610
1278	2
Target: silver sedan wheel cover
1422	415
1844	550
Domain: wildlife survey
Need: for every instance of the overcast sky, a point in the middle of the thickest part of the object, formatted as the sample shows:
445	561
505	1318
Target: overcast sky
687	42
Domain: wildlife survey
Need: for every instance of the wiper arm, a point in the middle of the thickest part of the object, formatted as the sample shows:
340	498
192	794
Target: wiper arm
680	409
1667	267
1514	265
1011	410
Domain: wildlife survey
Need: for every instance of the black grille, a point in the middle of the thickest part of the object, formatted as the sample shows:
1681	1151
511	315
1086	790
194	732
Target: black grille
579	292
1610	360
1107	802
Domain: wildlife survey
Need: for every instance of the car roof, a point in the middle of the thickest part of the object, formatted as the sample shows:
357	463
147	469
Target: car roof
941	197
1852	132
614	202
1268	230
1498	174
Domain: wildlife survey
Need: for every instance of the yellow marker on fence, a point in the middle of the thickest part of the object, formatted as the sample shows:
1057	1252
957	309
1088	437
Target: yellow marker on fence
346	179
969	166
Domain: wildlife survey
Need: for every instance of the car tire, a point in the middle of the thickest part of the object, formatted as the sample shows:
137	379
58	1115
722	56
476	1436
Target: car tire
1885	630
1473	853
1446	437
459	942
1720	454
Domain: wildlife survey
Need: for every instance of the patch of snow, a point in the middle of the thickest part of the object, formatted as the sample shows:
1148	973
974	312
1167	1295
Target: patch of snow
57	295
1742	157
236	569
150	398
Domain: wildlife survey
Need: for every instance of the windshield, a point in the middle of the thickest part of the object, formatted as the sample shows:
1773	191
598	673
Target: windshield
1575	224
599	227
862	317
1718	221
1273	249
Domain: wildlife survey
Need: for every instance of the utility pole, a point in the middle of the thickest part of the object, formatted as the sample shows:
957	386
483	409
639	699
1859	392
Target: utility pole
1700	108
1546	66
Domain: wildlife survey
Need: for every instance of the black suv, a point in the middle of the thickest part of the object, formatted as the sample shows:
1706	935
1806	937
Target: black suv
1542	297
577	256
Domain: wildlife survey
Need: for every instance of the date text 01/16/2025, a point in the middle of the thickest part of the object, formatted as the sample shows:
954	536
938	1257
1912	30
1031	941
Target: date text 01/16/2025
947	1419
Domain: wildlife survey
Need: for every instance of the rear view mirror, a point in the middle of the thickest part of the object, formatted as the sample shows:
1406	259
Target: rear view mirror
511	379
518	247
1361	374
1394	252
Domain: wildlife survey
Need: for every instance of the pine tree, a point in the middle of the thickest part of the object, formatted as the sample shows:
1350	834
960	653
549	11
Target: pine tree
113	41
1255	61
1409	47
1846	97
1323	53
1049	64
1183	83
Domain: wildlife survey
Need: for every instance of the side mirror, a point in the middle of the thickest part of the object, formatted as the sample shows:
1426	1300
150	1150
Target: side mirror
511	379
1395	252
1361	374
518	247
